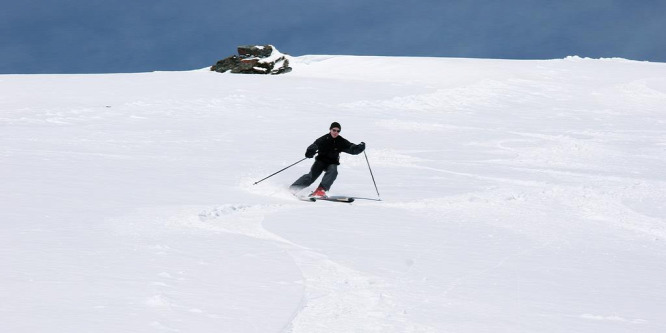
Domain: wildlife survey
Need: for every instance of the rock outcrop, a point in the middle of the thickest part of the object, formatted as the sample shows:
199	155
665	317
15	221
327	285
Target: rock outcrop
254	59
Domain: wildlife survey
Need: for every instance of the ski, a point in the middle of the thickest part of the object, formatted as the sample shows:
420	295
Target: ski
335	198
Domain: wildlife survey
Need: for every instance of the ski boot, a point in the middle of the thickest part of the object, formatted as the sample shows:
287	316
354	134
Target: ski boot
319	193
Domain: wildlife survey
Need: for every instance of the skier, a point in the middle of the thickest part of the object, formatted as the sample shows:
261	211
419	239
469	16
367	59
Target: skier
328	149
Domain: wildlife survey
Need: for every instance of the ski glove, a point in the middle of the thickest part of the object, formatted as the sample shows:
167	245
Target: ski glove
356	149
310	153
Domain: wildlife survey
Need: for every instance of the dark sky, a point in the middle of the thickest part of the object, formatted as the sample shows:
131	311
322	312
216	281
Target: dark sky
97	36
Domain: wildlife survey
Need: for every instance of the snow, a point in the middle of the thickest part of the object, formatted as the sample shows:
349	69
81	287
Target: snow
517	196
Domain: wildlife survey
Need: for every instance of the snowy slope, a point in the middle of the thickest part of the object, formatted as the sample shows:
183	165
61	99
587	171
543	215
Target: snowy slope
518	196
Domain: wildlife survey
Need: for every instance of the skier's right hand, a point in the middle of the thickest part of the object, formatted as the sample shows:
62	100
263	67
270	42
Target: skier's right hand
311	151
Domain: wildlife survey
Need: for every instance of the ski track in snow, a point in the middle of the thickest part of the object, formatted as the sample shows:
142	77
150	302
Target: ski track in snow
336	297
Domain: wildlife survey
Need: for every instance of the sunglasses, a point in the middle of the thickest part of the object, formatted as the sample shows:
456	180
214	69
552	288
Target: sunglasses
335	130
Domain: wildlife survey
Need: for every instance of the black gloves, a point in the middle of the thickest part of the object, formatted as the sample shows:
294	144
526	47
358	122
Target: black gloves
357	149
311	151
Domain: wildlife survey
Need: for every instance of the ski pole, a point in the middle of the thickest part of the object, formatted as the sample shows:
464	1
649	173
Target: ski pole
257	182
373	176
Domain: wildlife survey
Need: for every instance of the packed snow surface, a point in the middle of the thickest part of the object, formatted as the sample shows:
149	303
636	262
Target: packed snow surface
517	196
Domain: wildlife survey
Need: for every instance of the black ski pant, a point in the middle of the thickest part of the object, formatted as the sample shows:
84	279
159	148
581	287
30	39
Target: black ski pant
315	171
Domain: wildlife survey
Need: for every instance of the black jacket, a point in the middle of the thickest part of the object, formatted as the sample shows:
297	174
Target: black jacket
329	149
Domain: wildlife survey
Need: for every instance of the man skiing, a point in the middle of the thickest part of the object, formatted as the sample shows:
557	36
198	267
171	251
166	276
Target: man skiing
328	149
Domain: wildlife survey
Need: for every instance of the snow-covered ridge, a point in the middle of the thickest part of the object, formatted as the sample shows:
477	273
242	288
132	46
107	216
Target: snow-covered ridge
618	59
516	196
